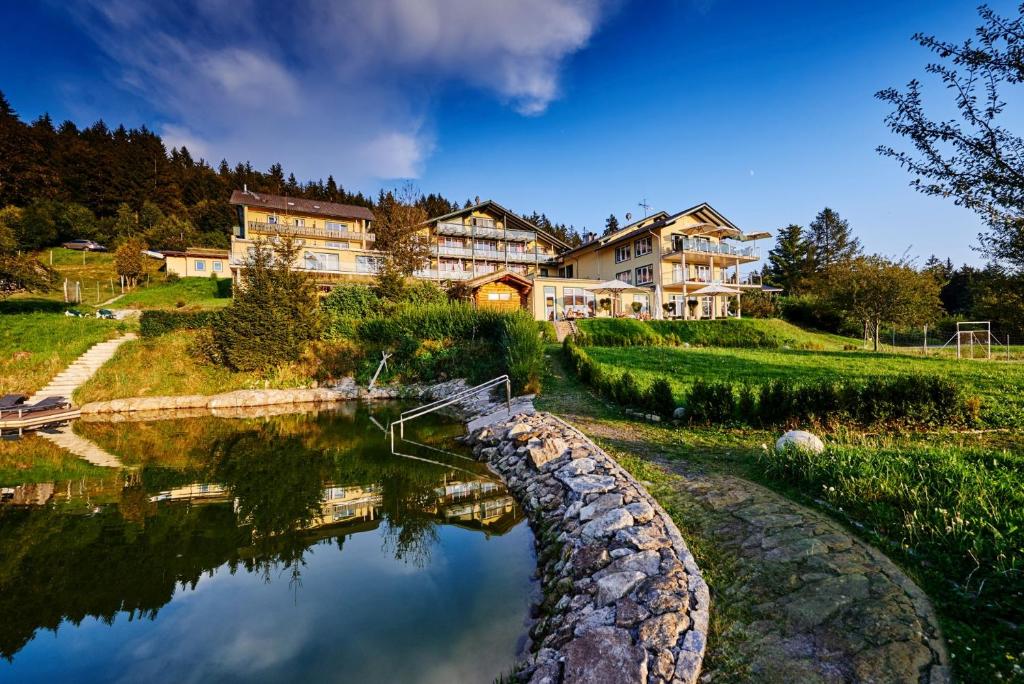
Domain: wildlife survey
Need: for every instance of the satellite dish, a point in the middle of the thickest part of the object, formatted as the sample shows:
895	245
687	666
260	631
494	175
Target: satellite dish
628	216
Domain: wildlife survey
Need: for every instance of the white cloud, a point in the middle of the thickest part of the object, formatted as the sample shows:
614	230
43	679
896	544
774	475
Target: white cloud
344	87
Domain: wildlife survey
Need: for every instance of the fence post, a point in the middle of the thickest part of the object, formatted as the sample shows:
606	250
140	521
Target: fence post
925	340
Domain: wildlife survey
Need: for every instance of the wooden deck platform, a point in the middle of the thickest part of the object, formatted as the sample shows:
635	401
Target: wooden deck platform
10	421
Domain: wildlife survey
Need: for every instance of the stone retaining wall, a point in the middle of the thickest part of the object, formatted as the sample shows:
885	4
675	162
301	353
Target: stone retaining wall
623	599
343	391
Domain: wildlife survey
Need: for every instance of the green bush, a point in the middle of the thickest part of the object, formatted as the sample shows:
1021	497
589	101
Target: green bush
345	306
710	402
810	311
659	398
423	292
524	352
156	322
627	392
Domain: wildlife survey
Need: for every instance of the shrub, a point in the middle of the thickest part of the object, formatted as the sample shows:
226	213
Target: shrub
156	322
626	392
710	402
524	352
345	306
423	292
660	399
811	312
171	278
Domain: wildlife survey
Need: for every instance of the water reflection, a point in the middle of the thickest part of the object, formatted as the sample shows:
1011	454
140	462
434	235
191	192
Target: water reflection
211	495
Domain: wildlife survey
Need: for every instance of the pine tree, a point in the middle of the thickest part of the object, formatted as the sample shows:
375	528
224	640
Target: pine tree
789	261
611	224
830	240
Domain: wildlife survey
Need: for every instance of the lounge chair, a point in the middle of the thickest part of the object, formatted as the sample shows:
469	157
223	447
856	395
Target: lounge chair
47	404
106	313
9	400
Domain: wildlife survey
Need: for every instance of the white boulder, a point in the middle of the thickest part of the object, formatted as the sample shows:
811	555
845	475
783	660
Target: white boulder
801	441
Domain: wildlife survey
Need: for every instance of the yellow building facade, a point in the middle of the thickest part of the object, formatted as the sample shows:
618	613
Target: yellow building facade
694	264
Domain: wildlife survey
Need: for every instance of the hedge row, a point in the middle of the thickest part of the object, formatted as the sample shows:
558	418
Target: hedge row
736	333
156	322
622	389
913	401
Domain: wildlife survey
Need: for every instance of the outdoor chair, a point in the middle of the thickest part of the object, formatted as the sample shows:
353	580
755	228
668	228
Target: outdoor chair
9	400
47	404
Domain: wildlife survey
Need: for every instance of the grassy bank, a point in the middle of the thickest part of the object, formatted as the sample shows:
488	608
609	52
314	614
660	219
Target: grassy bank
166	366
731	333
188	293
996	383
947	506
34	347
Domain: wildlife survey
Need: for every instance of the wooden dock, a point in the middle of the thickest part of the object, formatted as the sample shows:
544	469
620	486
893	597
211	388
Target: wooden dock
12	421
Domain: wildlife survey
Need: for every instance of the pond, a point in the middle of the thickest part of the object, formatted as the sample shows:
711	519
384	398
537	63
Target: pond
282	548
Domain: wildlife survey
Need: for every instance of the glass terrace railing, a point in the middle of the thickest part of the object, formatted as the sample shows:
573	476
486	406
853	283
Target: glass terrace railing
459	229
705	247
519	257
308	231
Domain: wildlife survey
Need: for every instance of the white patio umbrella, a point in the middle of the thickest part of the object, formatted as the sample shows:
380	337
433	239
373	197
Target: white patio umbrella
716	289
615	287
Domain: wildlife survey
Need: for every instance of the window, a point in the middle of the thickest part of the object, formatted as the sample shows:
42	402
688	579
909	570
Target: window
446	241
200	265
483	222
300	222
703	274
642	246
565	271
272	219
644	301
367	264
579	301
705	304
625	276
644	275
622	253
335	226
677	273
218	265
449	265
485	245
336	245
322	261
498	296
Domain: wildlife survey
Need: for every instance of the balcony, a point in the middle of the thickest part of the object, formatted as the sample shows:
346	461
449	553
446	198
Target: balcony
706	247
304	231
748	280
434	274
459	229
518	257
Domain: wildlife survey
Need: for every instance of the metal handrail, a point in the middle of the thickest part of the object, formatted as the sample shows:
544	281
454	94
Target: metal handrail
448	401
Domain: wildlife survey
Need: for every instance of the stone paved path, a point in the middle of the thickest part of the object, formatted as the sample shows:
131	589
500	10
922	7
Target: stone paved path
823	606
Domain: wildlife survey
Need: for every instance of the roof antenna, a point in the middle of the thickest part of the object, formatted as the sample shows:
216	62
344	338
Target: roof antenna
645	206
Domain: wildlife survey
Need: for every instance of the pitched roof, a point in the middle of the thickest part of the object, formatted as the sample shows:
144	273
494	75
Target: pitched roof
664	220
503	274
514	219
299	205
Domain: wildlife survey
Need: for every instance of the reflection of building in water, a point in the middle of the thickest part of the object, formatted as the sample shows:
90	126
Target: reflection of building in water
472	503
27	494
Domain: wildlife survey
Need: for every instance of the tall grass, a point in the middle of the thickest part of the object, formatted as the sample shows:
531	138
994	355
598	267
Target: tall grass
35	347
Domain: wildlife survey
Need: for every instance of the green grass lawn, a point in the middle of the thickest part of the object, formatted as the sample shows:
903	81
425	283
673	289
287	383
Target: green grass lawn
34	347
94	270
948	506
745	332
997	383
166	366
190	293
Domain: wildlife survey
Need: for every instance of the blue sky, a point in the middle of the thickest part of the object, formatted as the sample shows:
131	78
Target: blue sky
577	108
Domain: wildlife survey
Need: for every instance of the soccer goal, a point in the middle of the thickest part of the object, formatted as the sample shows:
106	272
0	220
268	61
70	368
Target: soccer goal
974	337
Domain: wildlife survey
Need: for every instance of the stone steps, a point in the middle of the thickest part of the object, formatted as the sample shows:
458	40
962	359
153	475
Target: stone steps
84	367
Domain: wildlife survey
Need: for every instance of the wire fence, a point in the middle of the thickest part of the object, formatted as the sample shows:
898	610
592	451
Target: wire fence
947	341
93	291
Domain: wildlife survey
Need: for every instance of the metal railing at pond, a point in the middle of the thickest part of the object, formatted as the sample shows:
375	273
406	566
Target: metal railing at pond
448	401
